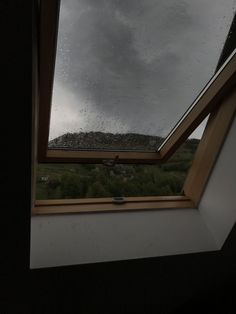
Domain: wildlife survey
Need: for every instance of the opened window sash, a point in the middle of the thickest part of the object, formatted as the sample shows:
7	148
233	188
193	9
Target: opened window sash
206	102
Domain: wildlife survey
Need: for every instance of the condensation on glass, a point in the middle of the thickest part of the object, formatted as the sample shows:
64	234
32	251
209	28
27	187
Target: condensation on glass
126	71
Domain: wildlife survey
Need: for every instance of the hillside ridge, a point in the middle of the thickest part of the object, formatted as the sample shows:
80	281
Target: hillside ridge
101	140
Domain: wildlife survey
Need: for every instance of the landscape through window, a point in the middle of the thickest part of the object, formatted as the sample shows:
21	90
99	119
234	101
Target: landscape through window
126	71
63	181
72	181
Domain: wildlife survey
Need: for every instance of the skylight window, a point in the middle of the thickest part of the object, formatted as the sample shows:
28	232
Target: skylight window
126	71
122	87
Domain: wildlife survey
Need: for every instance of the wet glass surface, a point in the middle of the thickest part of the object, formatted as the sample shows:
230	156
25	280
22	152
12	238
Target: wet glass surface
126	71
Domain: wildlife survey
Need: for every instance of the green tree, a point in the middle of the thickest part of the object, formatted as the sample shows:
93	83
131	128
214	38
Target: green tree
97	190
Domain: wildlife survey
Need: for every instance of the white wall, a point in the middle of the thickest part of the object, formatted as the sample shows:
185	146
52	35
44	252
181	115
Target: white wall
75	239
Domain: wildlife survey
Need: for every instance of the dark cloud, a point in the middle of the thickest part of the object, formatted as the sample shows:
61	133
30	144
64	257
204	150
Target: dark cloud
134	65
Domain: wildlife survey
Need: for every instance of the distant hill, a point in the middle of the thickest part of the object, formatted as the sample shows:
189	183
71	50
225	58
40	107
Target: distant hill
100	141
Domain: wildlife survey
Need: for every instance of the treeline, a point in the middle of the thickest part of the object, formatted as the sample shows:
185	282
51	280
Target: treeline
56	181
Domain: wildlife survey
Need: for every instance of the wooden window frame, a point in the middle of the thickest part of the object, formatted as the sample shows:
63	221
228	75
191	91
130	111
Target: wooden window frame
216	99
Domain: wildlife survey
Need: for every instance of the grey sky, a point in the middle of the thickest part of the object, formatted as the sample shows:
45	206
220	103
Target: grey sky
134	65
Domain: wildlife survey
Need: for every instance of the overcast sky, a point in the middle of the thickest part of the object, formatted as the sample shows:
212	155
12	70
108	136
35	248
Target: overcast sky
134	65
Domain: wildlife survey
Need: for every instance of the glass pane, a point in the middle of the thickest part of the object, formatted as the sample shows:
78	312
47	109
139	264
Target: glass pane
66	181
126	71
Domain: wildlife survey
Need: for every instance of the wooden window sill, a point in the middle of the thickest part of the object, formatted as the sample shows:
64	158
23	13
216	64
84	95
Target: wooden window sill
106	205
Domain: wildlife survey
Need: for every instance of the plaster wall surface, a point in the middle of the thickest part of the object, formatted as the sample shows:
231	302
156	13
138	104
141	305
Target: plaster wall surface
75	239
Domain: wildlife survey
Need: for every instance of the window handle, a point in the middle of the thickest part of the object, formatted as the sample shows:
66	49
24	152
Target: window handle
110	162
118	200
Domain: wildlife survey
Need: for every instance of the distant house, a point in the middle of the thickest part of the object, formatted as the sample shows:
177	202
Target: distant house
44	178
